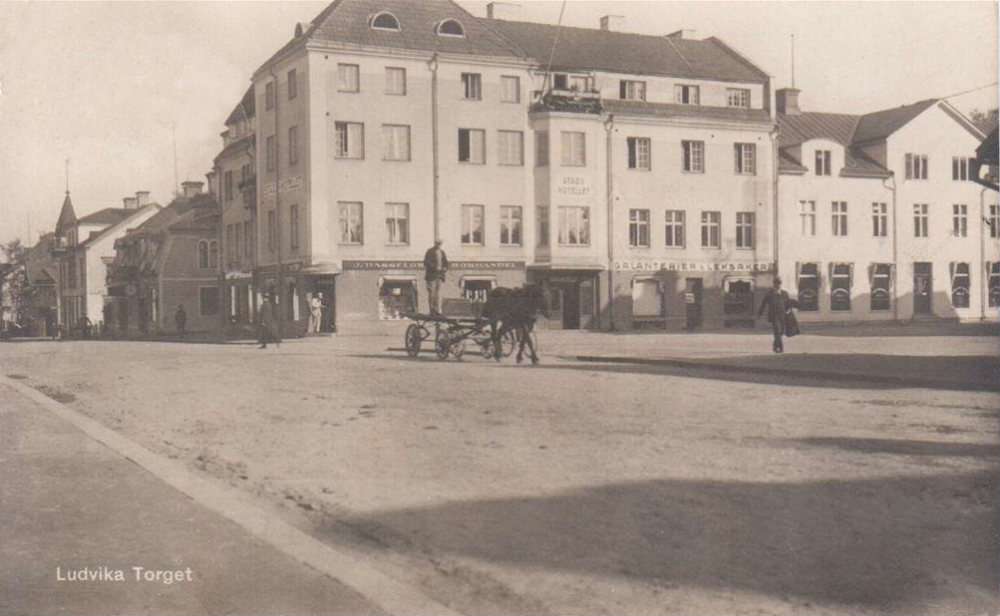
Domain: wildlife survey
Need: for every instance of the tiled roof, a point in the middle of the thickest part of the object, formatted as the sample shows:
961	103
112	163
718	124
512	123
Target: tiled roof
245	144
879	125
624	52
107	216
244	110
795	129
669	110
180	213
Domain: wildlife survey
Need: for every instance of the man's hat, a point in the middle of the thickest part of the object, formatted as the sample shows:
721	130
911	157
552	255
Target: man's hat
777	280
438	240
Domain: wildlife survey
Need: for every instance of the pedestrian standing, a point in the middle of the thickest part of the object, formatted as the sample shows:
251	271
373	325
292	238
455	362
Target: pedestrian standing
180	320
778	305
315	313
265	322
435	266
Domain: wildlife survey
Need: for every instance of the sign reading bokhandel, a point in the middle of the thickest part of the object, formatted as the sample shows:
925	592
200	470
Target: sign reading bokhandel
695	266
419	265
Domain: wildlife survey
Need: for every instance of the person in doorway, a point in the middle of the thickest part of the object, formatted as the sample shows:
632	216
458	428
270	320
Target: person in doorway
180	320
778	304
315	313
266	322
435	267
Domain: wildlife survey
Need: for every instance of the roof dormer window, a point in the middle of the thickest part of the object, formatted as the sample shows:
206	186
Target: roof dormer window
450	27
385	21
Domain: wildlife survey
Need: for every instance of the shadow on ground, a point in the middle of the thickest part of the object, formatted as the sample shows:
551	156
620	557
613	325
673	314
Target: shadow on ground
890	543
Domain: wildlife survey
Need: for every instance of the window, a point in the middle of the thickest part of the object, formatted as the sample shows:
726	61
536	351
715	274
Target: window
639	149
994	221
227	185
238	239
510	89
472	146
472	86
711	223
807	276
472	225
293	86
269	152
208	301
960	168
632	90
881	280
350	139
738	97
880	220
293	227
542	148
745	158
351	222
349	78
385	21
269	95
510	147
450	27
638	228
229	242
272	231
476	291
542	217
647	297
397	224
823	162
838	218
993	269
395	81
694	156
396	142
293	145
574	226
960	285
960	220
807	212
510	225
675	228
744	229
916	167
247	240
573	83
396	299
208	254
687	95
574	149
840	286
920	219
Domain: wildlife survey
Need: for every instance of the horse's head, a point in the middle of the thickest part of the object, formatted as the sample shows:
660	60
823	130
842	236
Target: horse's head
541	297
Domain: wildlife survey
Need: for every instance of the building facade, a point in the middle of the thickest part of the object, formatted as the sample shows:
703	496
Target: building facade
881	217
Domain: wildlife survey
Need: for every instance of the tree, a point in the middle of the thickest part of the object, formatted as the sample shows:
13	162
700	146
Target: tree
985	121
16	291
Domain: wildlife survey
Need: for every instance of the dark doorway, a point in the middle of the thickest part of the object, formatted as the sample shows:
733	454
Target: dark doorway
692	300
328	287
570	305
923	289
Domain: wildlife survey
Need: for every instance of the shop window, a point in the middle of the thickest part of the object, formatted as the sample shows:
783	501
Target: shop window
840	287
647	297
880	275
396	299
994	283
476	291
808	284
960	285
738	299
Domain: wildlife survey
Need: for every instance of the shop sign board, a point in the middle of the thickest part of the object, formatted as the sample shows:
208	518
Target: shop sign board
419	265
695	266
285	185
573	186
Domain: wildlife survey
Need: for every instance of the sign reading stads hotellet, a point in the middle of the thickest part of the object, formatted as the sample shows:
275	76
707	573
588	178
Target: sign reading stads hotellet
695	266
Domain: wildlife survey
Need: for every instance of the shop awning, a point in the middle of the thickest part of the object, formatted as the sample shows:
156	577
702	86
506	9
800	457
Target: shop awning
490	279
384	279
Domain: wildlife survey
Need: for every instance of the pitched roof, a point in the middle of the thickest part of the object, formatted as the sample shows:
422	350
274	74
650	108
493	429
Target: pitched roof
879	125
181	212
624	52
245	109
244	145
107	216
987	150
67	217
123	215
795	129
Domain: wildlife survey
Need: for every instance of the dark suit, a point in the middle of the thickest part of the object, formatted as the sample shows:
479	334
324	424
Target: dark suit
435	266
777	303
267	325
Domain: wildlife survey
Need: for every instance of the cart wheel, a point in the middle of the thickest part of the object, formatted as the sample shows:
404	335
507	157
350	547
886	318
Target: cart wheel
458	349
413	339
443	346
508	343
486	348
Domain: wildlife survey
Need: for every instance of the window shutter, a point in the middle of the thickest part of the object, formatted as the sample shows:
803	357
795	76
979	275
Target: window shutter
463	145
632	146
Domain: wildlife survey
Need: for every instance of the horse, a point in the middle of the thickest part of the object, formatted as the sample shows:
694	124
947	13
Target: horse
516	310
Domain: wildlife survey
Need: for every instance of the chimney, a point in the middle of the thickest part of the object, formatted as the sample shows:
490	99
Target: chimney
192	189
612	22
683	33
142	198
503	10
787	101
130	203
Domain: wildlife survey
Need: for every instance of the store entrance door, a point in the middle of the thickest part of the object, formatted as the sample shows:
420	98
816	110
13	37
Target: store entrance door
570	295
692	299
923	288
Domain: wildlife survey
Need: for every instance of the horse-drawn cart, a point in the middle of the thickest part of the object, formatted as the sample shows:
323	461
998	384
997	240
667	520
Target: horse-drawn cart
454	336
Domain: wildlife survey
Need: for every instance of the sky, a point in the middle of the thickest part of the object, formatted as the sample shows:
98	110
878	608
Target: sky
108	85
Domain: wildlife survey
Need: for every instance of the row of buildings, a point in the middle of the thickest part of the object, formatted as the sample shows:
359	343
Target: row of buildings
651	181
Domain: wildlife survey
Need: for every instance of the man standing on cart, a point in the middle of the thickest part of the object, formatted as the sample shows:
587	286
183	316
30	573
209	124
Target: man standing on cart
435	266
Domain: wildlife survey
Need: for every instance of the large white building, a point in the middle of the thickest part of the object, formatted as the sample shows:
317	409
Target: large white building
636	168
880	216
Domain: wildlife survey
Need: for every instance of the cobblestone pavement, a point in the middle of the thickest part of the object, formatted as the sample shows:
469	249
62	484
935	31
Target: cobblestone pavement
584	487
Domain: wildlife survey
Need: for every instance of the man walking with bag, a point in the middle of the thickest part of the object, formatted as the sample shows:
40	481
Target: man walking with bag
779	307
